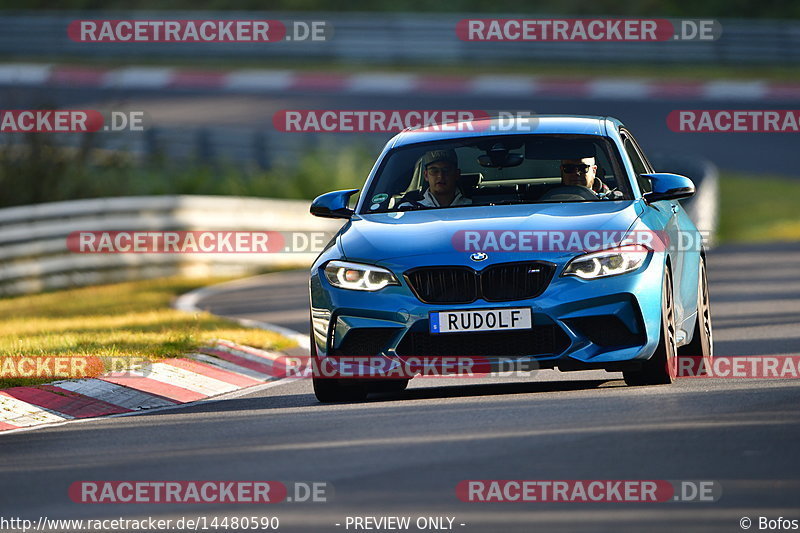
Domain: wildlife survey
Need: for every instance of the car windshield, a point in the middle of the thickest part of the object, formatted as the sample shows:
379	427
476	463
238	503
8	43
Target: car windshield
488	171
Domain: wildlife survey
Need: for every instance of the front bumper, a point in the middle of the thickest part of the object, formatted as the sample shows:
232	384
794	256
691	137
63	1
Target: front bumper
611	323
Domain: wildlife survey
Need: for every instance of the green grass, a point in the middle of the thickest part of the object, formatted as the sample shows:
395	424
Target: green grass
125	321
758	208
40	172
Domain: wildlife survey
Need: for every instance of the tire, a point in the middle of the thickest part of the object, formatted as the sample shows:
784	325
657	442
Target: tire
388	385
702	345
330	390
662	366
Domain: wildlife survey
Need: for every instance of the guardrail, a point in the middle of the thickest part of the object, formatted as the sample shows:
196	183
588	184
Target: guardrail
428	38
33	239
703	207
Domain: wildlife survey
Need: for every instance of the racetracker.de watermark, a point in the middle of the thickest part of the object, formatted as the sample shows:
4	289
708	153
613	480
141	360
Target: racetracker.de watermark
396	120
734	121
73	366
378	367
573	240
588	30
36	367
200	492
740	367
197	242
197	31
69	121
588	491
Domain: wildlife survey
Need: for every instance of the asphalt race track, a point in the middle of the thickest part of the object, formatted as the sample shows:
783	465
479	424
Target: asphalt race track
404	455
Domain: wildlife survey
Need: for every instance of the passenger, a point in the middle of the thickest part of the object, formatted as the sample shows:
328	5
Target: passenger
440	169
583	173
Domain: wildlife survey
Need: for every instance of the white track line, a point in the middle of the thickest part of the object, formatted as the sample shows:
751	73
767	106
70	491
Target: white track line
188	304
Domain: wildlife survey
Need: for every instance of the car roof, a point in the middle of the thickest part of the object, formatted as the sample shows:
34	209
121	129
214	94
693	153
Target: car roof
533	124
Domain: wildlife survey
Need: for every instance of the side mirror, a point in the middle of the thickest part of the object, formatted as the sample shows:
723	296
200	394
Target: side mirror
333	204
668	187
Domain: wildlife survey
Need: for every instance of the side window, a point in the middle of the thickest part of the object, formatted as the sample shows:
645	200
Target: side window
639	165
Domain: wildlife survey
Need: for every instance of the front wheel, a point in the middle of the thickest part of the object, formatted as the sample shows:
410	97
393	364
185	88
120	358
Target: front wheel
331	390
701	349
662	367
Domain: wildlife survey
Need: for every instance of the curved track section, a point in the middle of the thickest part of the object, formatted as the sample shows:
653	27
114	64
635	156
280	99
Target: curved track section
404	455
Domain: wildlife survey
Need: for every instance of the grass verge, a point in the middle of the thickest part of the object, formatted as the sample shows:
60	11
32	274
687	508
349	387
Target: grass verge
758	208
130	320
39	171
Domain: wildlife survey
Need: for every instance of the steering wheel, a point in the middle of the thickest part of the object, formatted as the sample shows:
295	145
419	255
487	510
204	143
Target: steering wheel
567	193
410	206
411	199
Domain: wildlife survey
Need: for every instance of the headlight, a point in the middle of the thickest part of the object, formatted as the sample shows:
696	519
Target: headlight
358	276
607	262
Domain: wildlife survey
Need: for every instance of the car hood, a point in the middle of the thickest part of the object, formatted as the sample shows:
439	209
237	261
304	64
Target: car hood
435	232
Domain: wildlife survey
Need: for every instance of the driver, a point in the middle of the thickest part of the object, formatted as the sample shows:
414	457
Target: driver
441	172
583	173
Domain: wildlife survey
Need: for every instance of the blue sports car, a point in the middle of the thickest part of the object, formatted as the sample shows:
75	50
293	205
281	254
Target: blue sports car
549	244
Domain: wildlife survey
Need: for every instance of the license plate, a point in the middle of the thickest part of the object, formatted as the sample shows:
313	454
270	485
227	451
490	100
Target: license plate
480	320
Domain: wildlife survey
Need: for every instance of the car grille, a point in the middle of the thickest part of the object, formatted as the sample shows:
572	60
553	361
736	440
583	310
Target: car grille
539	340
497	283
444	284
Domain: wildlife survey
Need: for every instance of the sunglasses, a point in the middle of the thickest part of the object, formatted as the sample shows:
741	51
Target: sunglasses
435	171
583	167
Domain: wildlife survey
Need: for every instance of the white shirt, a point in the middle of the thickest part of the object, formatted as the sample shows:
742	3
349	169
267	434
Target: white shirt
429	200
